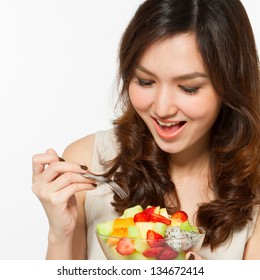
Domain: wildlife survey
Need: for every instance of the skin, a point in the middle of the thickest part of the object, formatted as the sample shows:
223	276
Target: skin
170	84
61	190
160	89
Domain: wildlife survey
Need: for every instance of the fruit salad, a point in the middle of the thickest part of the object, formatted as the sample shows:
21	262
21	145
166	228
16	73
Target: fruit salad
149	234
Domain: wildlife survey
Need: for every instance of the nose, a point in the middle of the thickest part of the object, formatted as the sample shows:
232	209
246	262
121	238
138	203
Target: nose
165	103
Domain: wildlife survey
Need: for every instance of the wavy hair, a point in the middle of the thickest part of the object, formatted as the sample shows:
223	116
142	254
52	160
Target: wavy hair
226	43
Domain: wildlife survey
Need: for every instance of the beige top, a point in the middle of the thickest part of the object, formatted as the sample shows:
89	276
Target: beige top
98	208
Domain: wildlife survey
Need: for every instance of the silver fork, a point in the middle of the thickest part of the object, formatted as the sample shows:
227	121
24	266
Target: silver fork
114	186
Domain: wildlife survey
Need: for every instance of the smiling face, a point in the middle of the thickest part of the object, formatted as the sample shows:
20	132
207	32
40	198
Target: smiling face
172	93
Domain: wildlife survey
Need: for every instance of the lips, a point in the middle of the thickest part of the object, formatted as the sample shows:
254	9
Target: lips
168	129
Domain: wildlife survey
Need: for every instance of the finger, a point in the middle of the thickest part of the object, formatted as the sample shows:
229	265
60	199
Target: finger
57	168
51	151
193	256
62	196
67	179
39	161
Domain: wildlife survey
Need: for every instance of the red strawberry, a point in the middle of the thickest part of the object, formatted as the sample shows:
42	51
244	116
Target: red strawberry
167	254
141	217
145	215
150	210
151	235
152	252
125	247
160	219
179	216
154	239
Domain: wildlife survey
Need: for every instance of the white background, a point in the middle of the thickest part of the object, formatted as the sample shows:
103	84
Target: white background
57	84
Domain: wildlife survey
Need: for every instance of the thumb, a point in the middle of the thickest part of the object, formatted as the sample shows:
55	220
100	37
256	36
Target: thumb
51	151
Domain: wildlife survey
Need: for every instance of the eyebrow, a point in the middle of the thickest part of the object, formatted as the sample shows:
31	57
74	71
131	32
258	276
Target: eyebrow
188	76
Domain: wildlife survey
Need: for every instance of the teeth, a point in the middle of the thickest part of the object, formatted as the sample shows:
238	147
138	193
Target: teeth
167	124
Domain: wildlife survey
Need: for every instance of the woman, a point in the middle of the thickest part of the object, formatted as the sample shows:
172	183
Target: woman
188	136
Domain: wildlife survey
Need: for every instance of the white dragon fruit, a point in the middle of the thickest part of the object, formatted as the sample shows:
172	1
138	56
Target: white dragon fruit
184	239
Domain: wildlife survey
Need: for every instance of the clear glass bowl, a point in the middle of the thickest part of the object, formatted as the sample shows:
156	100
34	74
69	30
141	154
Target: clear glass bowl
123	248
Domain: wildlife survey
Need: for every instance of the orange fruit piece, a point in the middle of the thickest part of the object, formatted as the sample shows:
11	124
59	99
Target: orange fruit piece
123	223
122	232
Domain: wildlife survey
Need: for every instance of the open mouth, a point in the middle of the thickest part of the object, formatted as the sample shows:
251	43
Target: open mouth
169	128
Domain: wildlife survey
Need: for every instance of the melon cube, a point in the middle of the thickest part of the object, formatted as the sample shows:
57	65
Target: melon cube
144	227
139	256
181	256
133	232
160	228
186	226
105	228
140	245
130	212
163	212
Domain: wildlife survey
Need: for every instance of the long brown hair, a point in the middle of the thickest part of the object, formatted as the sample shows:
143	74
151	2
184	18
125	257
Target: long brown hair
226	43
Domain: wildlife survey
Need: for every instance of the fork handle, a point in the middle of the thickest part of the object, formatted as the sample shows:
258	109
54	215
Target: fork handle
95	177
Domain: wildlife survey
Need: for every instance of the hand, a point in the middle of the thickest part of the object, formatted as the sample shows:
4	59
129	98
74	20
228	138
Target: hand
55	184
193	256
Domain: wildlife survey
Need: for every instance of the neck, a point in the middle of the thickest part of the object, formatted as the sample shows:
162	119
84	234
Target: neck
191	164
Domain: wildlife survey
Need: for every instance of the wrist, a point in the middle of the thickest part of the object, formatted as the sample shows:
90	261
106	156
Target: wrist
56	238
59	246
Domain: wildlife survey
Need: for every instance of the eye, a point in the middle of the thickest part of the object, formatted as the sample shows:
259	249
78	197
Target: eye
144	83
189	90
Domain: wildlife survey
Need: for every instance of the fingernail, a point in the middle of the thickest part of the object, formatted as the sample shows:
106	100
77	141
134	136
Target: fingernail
84	167
94	185
61	159
191	257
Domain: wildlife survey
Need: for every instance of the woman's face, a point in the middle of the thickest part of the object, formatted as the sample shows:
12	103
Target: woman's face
172	93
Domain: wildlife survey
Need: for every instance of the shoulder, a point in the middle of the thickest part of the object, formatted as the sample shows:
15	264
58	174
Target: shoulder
86	149
81	150
105	140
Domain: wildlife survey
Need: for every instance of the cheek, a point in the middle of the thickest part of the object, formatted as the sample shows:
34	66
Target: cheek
206	108
141	101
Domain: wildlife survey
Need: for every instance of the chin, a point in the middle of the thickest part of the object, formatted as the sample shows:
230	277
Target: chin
171	148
